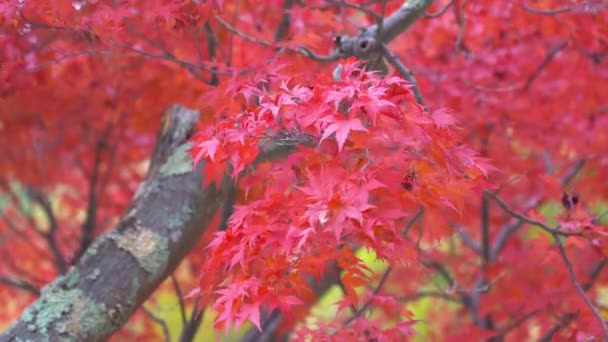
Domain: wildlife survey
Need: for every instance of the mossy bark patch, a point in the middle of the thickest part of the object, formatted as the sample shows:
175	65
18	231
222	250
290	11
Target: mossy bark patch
179	163
147	247
66	311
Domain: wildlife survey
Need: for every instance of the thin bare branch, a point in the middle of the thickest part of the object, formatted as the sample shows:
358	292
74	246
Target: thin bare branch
525	85
524	218
441	11
545	11
543	64
503	235
51	235
191	327
180	298
462	25
412	221
404	71
302	51
211	47
285	21
368	303
569	177
428	294
466	239
159	321
579	288
344	4
485	230
20	284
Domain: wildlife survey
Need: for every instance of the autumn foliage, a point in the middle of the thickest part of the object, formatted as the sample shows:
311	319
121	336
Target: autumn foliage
483	206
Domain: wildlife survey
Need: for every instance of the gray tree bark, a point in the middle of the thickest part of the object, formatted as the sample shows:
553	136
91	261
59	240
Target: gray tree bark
123	267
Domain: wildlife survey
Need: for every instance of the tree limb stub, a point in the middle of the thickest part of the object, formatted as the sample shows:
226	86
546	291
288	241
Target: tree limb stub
123	267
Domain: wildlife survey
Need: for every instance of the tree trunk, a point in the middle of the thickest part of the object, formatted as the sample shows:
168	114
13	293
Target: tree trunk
123	267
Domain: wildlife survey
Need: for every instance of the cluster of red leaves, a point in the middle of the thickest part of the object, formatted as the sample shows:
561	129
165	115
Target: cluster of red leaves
345	190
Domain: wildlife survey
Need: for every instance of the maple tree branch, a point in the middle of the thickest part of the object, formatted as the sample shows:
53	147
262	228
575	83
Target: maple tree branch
51	235
189	330
466	239
20	284
302	51
503	235
412	221
159	321
368	303
441	11
90	221
192	68
595	273
502	332
462	24
511	228
441	269
555	11
542	225
577	285
525	85
569	176
404	71
548	337
399	21
543	64
283	28
180	298
344	4
569	317
485	231
428	294
211	47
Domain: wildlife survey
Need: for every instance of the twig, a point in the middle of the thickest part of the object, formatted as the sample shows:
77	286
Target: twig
485	231
579	288
159	321
542	225
211	45
51	235
412	221
368	303
426	294
285	21
567	179
380	22
166	54
543	64
525	85
545	11
462	24
191	327
344	4
90	221
441	11
466	239
180	298
502	237
548	337
20	284
302	51
514	324
595	273
404	71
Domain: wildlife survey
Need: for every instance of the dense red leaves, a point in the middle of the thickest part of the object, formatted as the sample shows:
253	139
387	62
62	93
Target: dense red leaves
526	90
344	191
